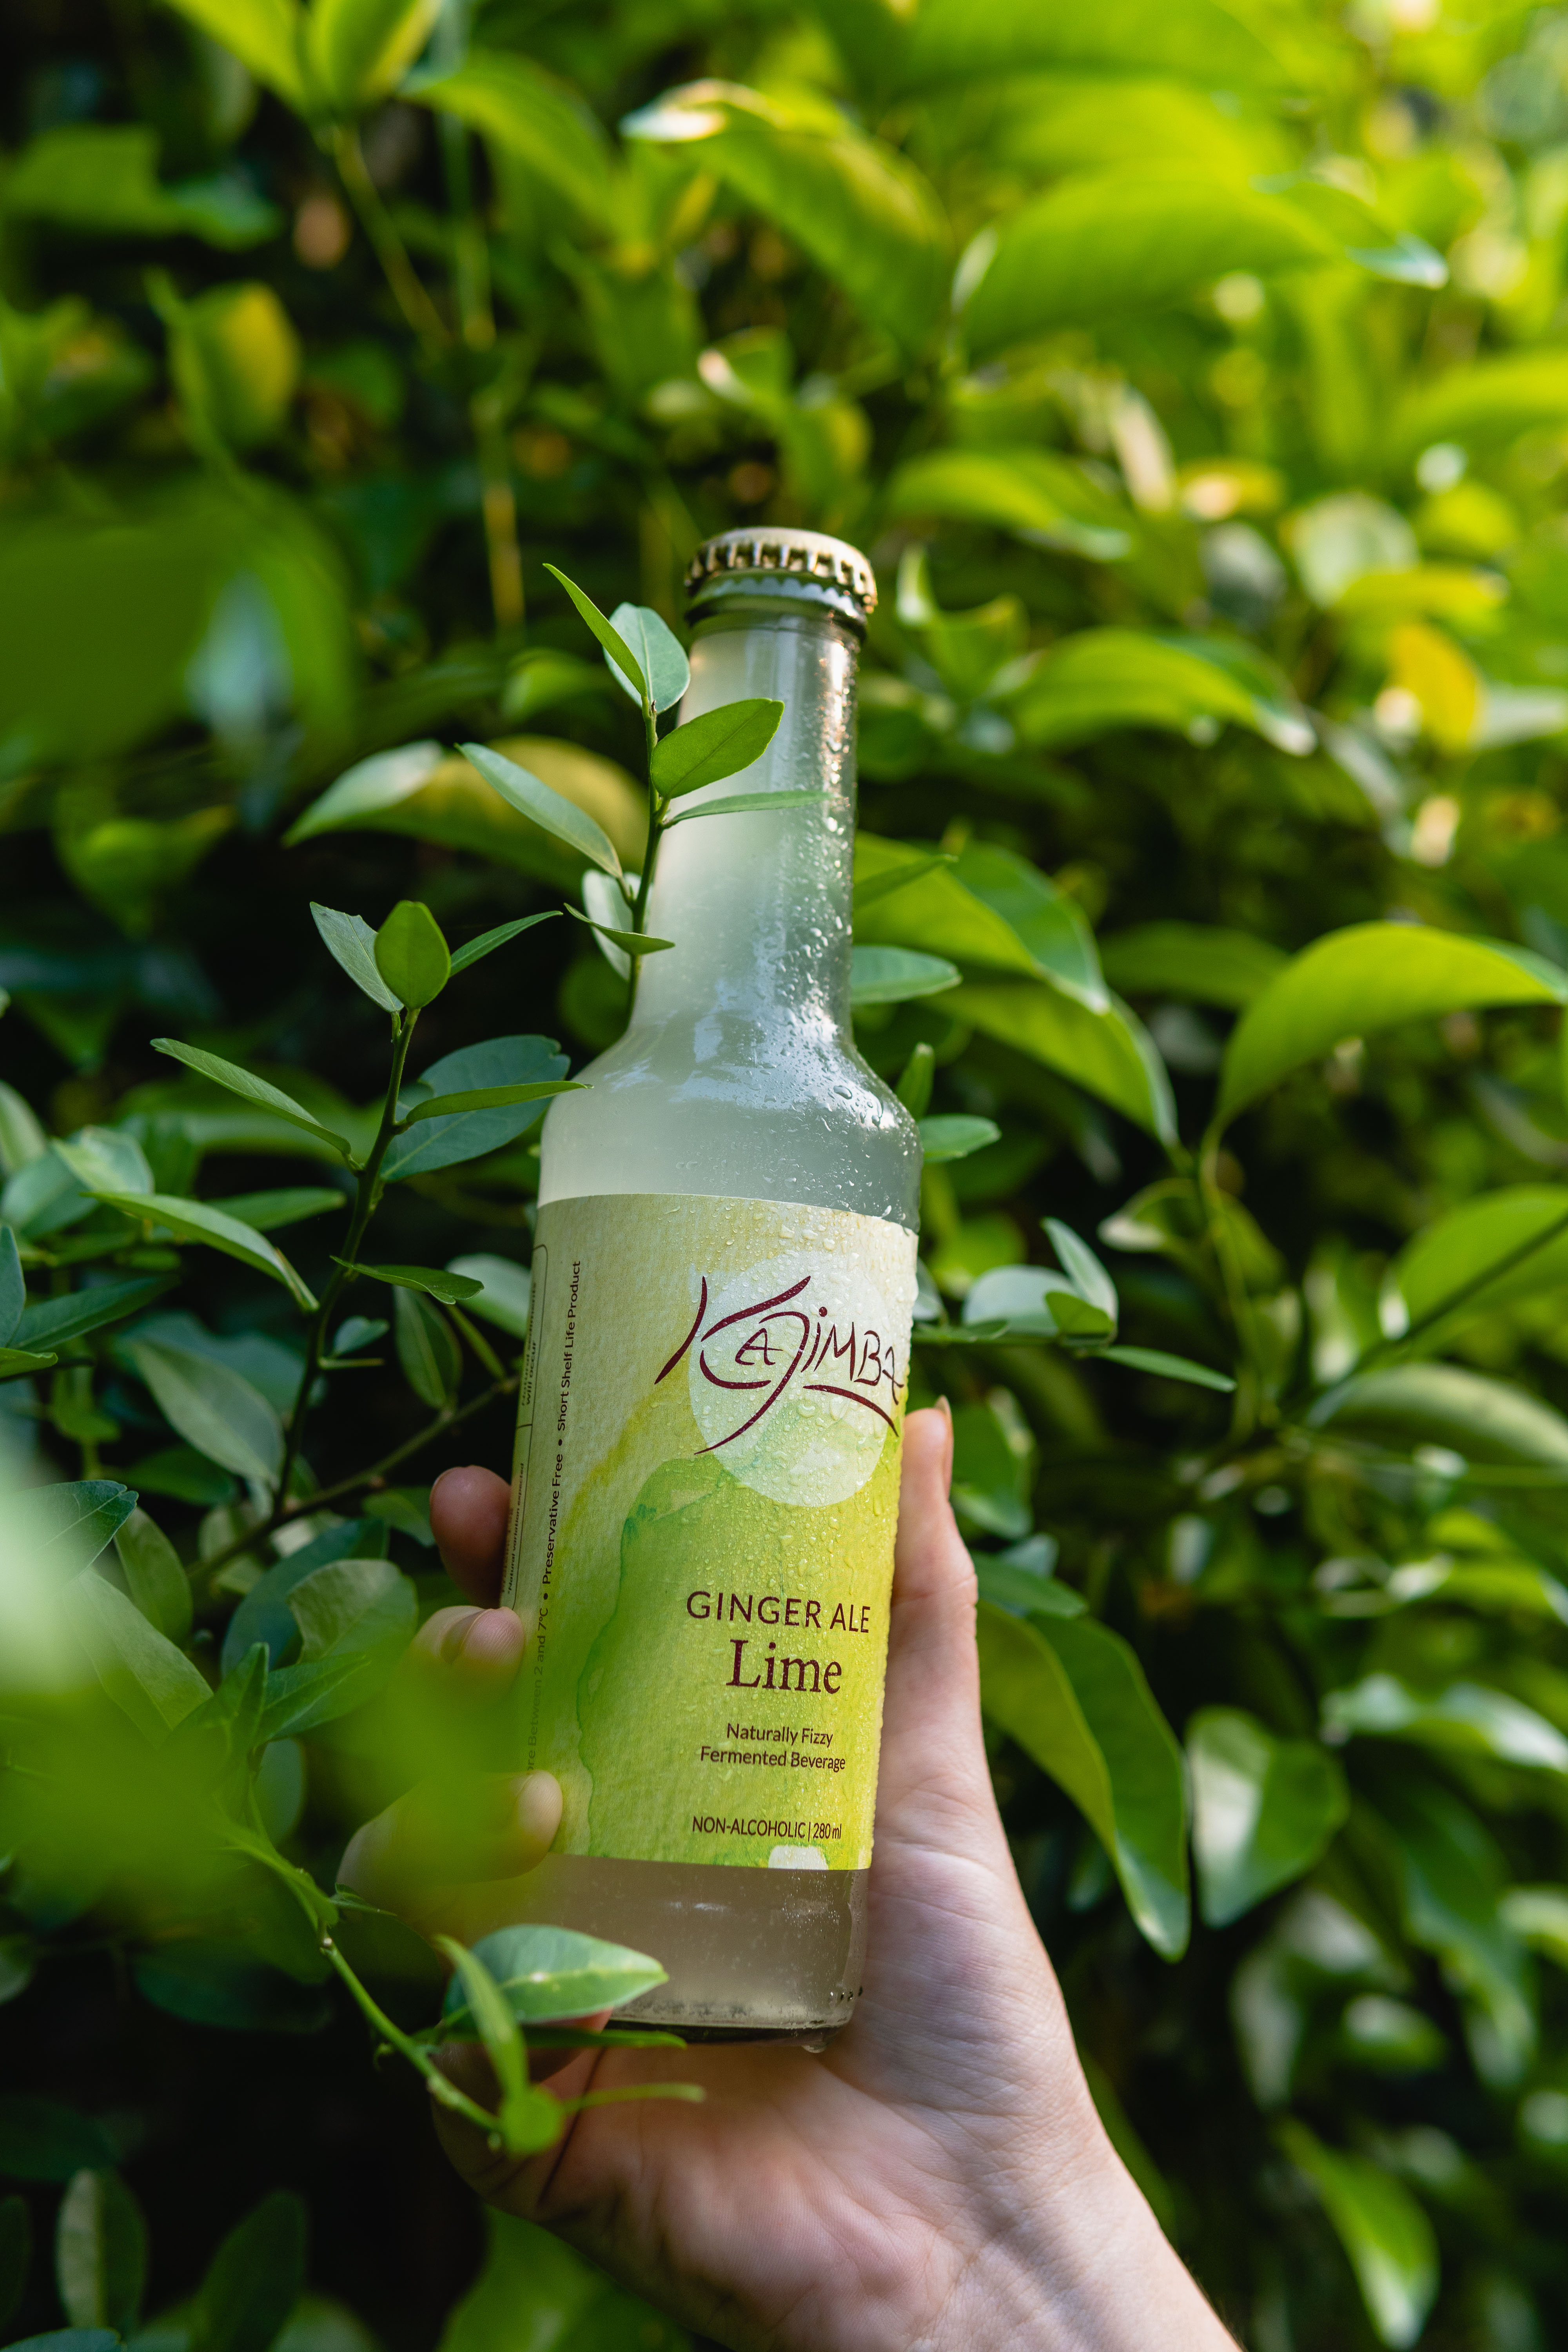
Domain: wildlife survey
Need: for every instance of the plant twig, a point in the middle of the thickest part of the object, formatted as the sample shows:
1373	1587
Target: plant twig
476	326
408	287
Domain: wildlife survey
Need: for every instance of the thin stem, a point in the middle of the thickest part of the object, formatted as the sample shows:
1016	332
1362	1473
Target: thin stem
650	847
440	2088
366	1194
408	287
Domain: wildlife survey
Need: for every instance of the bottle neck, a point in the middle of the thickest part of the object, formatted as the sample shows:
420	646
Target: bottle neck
759	905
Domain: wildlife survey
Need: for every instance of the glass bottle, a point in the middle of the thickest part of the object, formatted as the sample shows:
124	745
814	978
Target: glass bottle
733	1122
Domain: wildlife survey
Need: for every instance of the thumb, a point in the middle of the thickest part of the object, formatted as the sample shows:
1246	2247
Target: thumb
932	1749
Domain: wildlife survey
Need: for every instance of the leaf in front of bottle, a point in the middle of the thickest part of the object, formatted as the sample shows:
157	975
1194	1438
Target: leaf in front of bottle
250	1088
548	809
893	975
489	1098
447	1287
349	938
746	804
101	2253
527	2119
658	652
715	744
609	636
631	943
487	941
411	955
428	1348
547	1974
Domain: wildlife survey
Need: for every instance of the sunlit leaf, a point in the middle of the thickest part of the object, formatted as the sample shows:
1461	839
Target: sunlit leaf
894	975
1387	2237
101	2253
411	955
1263	1809
715	744
557	815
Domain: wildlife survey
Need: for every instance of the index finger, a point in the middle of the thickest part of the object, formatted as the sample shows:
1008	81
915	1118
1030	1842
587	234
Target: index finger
468	1510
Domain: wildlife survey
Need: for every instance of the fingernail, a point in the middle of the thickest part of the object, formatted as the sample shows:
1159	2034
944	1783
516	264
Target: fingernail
436	1482
457	1635
945	1410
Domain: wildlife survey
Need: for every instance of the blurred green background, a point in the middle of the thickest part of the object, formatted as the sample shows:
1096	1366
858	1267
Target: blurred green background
1196	375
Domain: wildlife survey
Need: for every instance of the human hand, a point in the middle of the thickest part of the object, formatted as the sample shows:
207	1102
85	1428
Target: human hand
939	2176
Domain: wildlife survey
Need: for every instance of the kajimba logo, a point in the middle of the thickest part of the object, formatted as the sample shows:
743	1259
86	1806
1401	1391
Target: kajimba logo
794	1377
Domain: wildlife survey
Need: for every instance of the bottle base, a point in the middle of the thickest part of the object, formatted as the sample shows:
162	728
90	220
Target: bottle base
750	1954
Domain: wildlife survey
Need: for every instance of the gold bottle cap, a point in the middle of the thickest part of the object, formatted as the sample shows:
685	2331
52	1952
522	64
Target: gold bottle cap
803	564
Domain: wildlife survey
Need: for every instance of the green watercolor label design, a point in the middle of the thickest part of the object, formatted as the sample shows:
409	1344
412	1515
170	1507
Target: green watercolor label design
705	1497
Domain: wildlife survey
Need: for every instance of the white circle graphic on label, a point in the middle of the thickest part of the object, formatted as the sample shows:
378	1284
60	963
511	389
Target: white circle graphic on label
795	1377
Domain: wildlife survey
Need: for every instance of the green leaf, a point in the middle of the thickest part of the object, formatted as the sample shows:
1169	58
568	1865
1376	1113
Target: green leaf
222	1984
1073	1696
658	652
1170	1367
1450	1876
1035	1302
1486	403
914	1086
252	1089
356	1618
359	50
16	1363
349	939
1538	1916
12	1286
290	1205
529	114
468	1135
264	1616
106	1160
1196	963
545	1974
199	1220
953	1135
489	1098
254	2279
986	907
153	1576
504	1290
1041	499
65	1527
715	744
212	1409
1096	681
746	804
1109	1054
1082	1268
411	954
1264	1809
894	975
1468	1717
51	1322
428	1348
947	44
1486	1255
1439	1404
264	35
42	2140
487	941
1101	245
614	646
154	1683
993	1461
102	179
527	2119
101	2253
16	2249
1385	2233
449	1287
369	786
1367	978
557	815
631	943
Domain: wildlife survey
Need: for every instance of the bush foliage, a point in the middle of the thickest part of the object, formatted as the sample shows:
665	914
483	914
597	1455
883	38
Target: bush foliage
1196	376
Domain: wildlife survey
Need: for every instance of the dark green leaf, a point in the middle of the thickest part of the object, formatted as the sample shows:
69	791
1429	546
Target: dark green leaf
609	638
287	1206
42	2140
213	1408
251	1089
224	1986
349	938
264	1615
141	1670
156	1581
468	1135
715	744
488	1099
66	1528
101	2253
411	955
428	1348
197	1220
12	1286
746	804
254	2279
15	2248
449	1288
1263	1809
51	1322
487	941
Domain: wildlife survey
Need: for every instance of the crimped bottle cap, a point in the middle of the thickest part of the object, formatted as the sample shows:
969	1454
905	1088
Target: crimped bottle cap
807	565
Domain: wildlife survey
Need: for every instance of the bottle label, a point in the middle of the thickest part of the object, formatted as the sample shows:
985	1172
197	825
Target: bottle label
705	1499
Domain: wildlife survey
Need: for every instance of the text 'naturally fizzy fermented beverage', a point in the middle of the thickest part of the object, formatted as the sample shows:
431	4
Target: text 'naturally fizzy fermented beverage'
718	1358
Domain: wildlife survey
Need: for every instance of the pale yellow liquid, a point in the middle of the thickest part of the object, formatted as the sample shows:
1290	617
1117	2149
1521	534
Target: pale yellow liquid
738	1078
